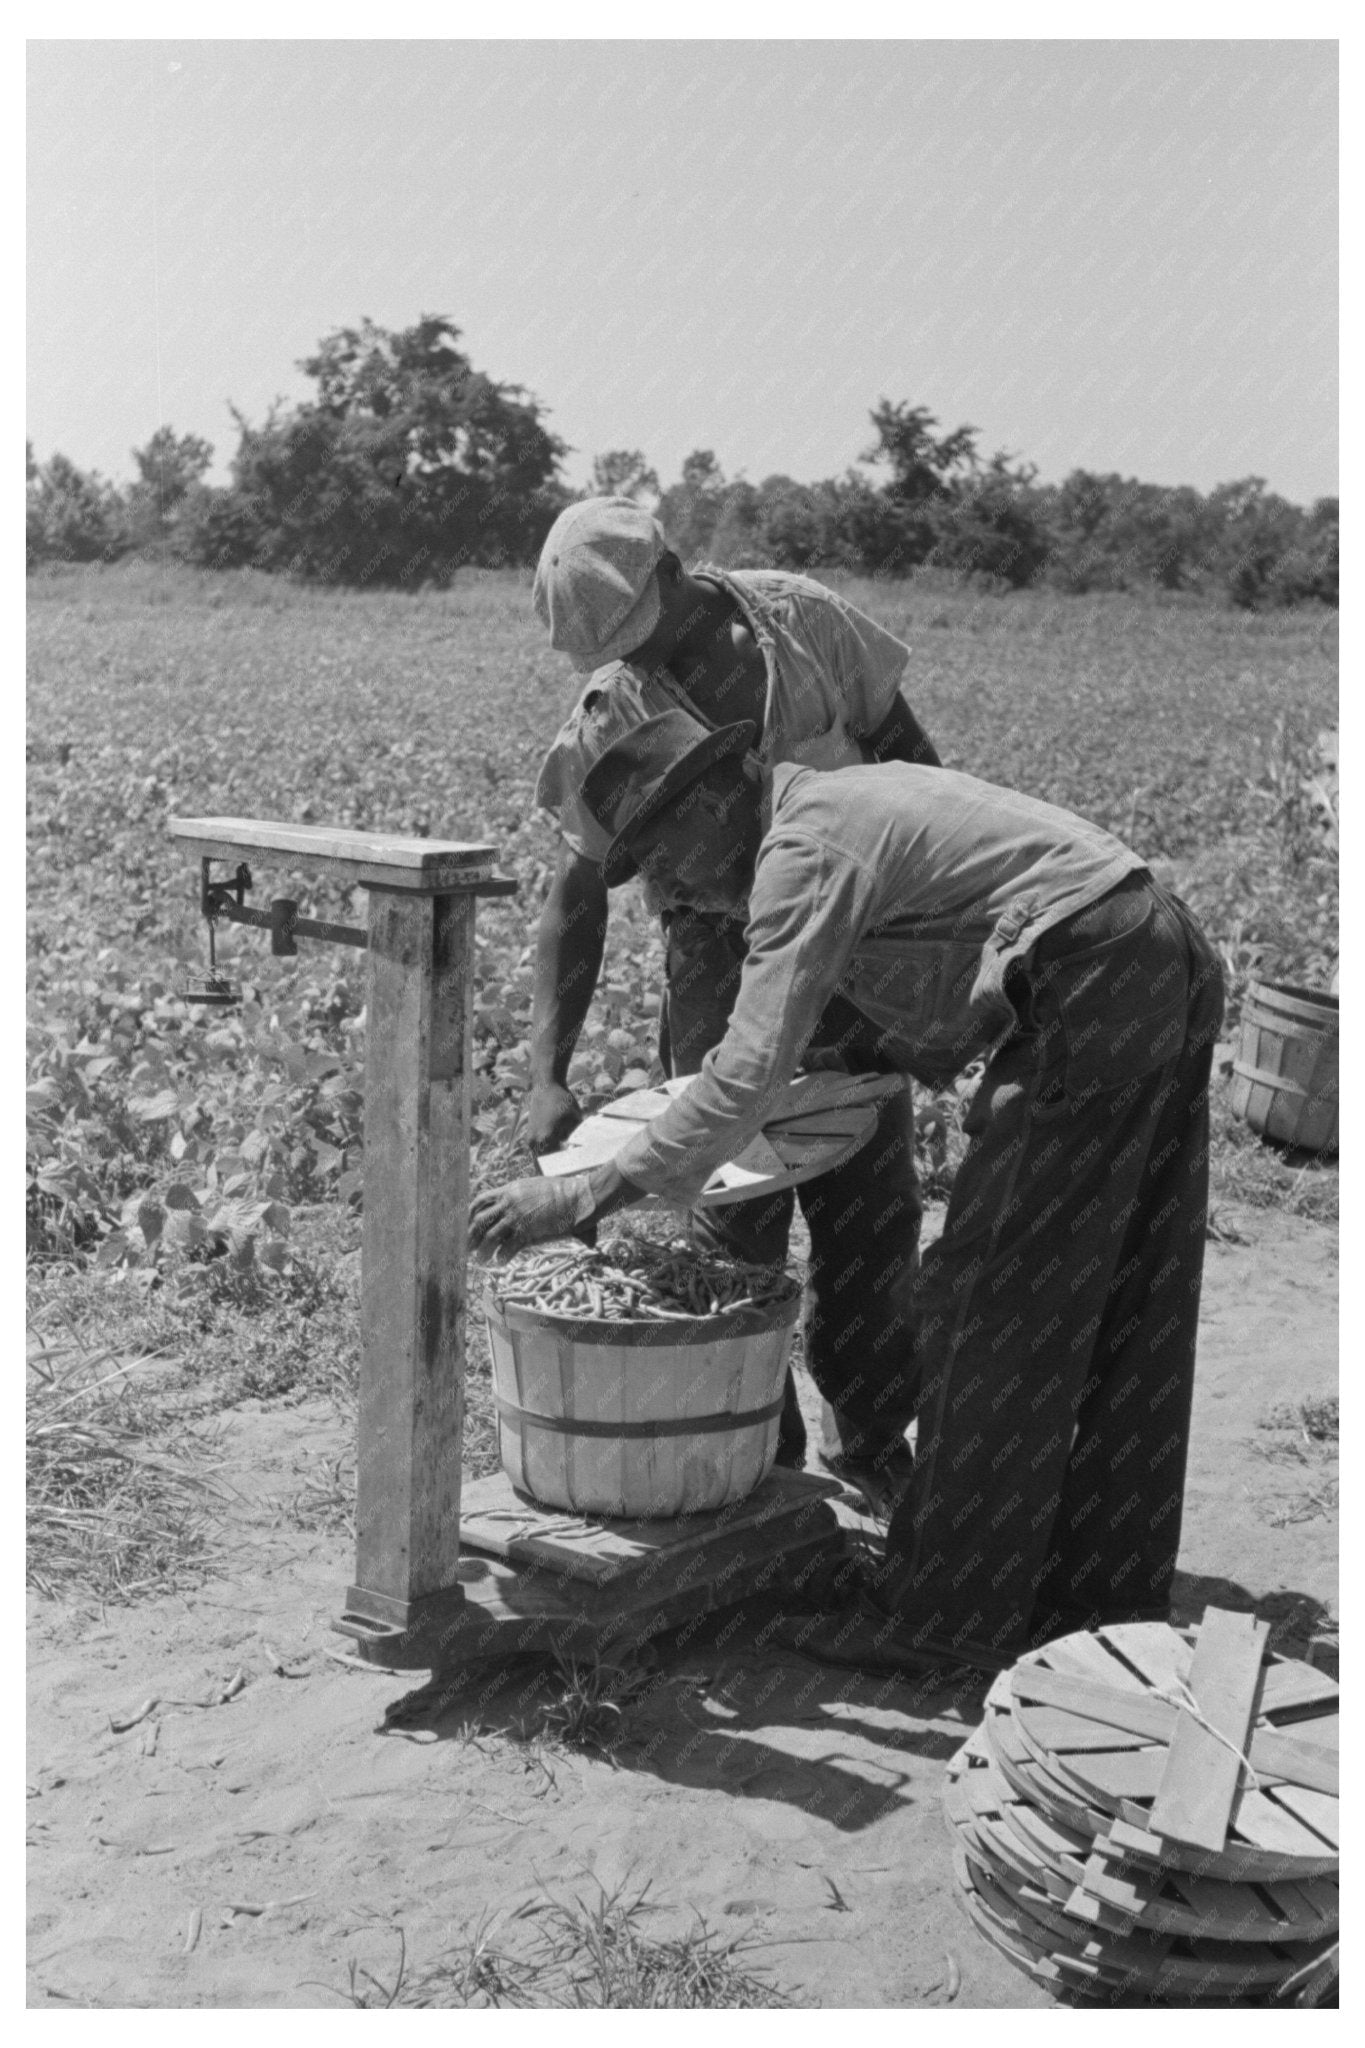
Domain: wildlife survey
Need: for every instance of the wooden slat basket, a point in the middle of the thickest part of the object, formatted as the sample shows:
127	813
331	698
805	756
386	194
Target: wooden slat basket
639	1419
1285	1073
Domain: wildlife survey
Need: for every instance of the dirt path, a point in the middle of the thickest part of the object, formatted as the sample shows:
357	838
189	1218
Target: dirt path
768	1794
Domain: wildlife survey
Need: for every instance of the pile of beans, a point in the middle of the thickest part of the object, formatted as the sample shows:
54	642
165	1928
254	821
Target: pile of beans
637	1278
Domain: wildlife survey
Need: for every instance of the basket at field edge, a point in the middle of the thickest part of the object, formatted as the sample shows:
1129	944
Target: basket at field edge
1285	1075
636	1418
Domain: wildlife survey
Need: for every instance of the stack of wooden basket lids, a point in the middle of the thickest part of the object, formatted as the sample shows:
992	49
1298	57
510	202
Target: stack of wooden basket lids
1151	1812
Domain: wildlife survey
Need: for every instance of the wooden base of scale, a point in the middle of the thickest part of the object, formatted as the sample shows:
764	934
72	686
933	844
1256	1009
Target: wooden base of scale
536	1581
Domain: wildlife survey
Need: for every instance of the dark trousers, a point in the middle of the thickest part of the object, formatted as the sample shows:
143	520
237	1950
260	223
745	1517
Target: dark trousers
863	1217
1058	1311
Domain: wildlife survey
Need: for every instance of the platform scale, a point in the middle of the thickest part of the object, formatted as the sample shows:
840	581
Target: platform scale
442	1580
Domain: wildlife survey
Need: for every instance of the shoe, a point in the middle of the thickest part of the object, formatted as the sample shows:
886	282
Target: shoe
882	1481
1047	1628
865	1636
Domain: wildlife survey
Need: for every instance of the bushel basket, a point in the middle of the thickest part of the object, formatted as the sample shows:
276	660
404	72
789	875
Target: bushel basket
1285	1073
639	1419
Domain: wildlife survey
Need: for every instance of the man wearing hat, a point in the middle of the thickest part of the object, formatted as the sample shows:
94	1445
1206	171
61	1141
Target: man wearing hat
819	682
1056	1315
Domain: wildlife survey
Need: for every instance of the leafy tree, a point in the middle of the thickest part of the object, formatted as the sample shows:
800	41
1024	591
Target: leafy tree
407	464
169	464
623	473
924	468
1321	550
792	523
870	531
690	510
222	529
73	515
1268	552
921	467
1114	533
991	523
737	537
169	468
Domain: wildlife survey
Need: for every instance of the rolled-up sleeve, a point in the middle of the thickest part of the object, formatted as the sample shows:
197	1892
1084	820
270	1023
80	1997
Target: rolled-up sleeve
558	791
807	908
615	701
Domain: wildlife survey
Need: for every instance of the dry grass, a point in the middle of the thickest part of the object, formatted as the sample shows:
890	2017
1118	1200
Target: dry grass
588	1707
1315	1417
108	1513
326	1499
1305	1435
1251	1172
584	1953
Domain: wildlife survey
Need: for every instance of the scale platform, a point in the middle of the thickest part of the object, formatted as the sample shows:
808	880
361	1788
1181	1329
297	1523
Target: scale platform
534	1580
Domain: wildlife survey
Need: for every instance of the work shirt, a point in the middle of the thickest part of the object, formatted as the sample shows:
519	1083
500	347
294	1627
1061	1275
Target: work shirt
832	678
908	891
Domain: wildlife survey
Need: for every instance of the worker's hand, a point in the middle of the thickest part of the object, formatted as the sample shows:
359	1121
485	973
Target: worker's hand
527	1211
551	1113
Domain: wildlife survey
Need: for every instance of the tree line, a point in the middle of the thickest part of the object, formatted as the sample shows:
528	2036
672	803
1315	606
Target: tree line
407	464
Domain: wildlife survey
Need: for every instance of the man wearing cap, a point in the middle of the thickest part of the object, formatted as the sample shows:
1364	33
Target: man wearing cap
819	682
1057	1312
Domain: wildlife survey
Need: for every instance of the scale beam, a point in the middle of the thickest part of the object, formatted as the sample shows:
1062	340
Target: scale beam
368	860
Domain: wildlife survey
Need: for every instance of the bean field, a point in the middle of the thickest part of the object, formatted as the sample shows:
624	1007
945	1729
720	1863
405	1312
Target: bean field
194	1178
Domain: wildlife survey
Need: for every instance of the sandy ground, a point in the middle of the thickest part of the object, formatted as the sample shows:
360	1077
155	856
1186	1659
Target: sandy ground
794	1803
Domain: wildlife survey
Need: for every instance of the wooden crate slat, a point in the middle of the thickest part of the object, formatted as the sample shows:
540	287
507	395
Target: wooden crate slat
1268	1825
1316	1810
1061	1801
1290	1684
1030	1956
1206	1965
1161	1654
1087	1657
1129	1774
1211	1907
1054	1729
1194	1801
1066	1848
1147	1718
1282	1848
1311	1766
1087	1700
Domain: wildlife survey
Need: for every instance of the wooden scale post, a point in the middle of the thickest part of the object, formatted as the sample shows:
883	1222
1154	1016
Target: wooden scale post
433	1589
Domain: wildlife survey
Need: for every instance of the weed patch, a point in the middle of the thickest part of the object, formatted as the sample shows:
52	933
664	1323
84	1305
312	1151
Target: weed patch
1303	1440
577	1953
113	1511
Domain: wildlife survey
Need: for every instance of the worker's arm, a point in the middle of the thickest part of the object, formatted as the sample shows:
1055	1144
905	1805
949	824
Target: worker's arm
527	1212
901	737
569	943
807	910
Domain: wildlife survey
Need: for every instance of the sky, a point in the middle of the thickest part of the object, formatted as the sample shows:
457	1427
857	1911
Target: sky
1112	255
